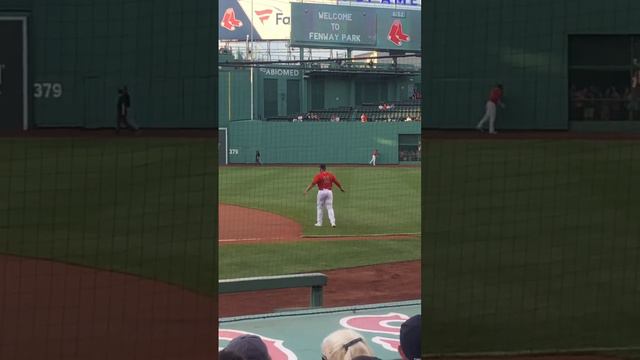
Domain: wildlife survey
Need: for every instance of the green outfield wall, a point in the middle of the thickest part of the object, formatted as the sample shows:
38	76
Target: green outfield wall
234	100
316	142
165	51
471	45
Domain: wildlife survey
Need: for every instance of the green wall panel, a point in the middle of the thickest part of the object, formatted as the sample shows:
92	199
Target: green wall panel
471	45
165	51
313	142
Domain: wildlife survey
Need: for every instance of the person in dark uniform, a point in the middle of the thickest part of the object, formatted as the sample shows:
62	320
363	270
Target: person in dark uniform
124	102
258	160
127	98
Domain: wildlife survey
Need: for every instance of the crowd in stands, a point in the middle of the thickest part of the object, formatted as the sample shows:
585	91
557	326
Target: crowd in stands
409	155
417	94
342	344
386	112
390	112
333	115
611	103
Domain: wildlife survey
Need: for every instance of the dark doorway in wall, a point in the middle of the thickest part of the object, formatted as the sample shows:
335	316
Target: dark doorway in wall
270	98
13	72
293	96
602	69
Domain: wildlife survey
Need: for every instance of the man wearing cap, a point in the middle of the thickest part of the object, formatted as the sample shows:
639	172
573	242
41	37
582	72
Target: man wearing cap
250	347
409	348
229	355
324	180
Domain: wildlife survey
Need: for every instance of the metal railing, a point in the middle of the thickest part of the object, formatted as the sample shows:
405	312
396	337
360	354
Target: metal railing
315	281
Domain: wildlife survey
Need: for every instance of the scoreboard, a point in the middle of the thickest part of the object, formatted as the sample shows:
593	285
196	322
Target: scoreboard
334	26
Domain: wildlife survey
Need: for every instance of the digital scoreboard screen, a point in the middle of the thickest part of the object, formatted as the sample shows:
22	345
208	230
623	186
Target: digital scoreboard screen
334	26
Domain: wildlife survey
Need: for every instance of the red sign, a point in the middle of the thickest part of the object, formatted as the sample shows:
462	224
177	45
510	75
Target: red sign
229	20
396	34
264	15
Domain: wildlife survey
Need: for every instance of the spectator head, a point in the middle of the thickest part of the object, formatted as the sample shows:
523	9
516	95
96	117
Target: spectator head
409	348
323	167
120	91
229	355
344	344
500	86
250	347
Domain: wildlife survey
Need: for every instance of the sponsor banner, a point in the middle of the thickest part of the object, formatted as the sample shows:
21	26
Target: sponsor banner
280	72
271	19
381	4
233	22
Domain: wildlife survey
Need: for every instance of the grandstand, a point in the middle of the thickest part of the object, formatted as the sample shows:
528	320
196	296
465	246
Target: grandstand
284	92
399	111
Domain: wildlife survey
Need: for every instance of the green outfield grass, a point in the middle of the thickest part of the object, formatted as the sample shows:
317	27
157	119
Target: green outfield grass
380	200
267	259
531	245
141	206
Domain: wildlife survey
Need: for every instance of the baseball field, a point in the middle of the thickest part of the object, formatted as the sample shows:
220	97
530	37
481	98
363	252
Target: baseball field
136	205
379	202
267	228
531	244
105	241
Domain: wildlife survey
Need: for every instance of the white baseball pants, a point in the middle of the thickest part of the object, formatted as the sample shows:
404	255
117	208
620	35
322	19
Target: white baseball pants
489	115
373	160
325	199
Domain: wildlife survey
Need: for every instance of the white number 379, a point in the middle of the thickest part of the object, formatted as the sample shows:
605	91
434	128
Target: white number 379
47	90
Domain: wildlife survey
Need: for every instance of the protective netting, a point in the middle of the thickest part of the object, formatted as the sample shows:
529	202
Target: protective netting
108	246
530	244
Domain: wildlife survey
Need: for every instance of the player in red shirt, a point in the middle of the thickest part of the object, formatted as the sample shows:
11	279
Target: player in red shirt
324	180
374	156
495	98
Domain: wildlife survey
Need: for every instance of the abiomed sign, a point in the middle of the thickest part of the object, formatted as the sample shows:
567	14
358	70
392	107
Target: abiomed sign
280	72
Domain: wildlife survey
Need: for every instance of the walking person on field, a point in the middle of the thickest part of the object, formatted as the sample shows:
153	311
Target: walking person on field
124	102
374	156
495	98
324	180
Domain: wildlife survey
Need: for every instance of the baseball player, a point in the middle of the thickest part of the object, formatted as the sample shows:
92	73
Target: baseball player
258	158
495	98
374	156
124	102
324	180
